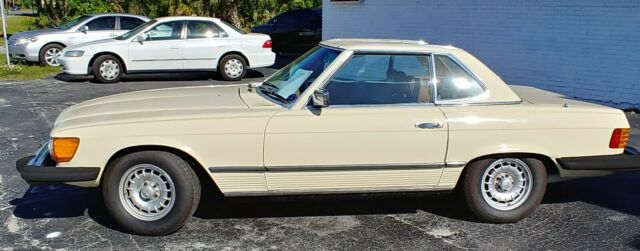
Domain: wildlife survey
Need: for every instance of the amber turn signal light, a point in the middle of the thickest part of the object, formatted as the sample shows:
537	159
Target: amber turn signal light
619	138
63	149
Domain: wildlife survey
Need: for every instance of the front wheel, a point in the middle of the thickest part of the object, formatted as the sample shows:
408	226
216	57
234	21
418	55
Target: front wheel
232	67
506	189
50	54
151	192
107	69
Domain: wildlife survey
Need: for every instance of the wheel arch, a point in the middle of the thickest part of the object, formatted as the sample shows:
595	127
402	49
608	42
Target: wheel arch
198	168
549	163
95	56
237	53
47	44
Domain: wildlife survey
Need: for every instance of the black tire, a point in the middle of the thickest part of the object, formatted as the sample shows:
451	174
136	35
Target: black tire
186	190
228	76
43	52
472	191
95	69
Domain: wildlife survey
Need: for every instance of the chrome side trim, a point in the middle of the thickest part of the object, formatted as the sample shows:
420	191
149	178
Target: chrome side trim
355	167
456	164
236	169
339	191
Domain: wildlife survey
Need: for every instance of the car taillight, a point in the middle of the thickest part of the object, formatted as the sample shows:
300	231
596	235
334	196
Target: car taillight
267	44
619	138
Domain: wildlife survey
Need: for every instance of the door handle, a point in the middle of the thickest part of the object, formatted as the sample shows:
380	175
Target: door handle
174	48
428	125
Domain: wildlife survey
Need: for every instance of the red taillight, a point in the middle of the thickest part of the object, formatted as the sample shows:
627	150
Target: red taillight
267	44
619	138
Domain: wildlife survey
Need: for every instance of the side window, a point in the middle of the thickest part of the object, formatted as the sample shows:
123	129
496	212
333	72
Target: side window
381	79
203	29
102	23
165	31
128	23
453	81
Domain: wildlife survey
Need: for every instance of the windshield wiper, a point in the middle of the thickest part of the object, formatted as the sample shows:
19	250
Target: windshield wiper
265	83
276	96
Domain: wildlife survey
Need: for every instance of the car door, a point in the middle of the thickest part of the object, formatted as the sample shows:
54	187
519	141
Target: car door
381	131
96	29
160	50
205	43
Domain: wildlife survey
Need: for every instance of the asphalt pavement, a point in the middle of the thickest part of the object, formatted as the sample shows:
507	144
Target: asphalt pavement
594	213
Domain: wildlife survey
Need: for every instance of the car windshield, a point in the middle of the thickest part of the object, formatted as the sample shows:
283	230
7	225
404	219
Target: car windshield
286	85
73	22
135	31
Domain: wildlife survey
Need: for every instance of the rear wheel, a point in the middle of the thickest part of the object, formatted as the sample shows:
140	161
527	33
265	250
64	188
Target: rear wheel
107	69
232	67
49	55
151	192
506	189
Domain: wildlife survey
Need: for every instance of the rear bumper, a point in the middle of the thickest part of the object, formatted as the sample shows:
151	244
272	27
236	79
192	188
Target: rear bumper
38	169
628	161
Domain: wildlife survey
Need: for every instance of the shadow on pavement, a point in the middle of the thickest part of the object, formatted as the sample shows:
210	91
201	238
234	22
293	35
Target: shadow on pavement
616	192
619	192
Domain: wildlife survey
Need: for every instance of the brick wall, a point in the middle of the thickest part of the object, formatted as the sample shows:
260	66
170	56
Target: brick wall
589	49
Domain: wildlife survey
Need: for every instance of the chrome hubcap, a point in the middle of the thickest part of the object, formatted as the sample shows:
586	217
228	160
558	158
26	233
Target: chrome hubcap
51	56
233	68
147	192
506	184
109	69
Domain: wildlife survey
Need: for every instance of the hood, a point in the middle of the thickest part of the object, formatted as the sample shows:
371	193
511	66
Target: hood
94	44
154	105
34	33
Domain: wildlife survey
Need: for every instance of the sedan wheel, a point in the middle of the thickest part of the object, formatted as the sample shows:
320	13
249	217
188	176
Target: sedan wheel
232	67
504	190
107	69
52	55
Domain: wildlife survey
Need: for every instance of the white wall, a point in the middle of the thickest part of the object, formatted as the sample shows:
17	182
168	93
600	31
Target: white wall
588	49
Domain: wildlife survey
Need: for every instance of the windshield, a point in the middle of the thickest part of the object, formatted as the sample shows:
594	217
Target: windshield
73	22
135	31
292	80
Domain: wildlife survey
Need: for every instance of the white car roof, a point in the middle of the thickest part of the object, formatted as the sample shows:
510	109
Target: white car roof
186	18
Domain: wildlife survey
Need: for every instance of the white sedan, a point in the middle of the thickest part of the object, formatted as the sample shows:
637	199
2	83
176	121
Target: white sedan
172	44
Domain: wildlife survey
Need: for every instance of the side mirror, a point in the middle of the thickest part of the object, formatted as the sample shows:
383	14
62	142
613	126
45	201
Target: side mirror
84	29
320	98
139	38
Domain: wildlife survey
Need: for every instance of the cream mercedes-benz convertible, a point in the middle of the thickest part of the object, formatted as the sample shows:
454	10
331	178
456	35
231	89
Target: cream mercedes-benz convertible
349	116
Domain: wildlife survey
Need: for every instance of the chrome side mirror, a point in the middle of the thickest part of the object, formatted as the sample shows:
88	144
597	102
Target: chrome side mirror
84	29
320	98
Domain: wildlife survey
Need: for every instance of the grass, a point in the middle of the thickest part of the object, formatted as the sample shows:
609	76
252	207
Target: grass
24	71
16	24
21	71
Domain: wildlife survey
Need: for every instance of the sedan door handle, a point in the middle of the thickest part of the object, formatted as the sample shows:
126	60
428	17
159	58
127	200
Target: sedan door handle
429	125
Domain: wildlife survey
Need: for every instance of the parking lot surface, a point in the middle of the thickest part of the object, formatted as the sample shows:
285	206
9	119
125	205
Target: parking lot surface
594	213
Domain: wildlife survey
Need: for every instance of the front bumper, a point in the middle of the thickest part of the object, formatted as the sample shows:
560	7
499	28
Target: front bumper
628	161
29	52
40	168
75	65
